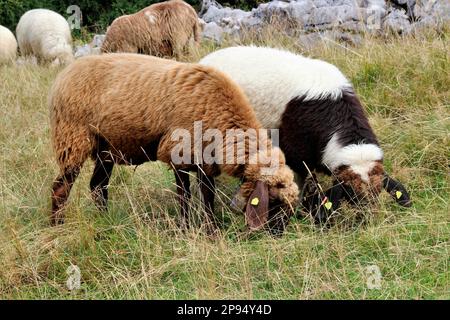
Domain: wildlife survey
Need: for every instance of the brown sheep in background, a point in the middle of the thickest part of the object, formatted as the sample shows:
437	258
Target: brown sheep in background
124	108
162	29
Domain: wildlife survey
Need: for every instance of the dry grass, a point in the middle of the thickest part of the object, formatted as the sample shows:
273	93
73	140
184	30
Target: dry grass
136	251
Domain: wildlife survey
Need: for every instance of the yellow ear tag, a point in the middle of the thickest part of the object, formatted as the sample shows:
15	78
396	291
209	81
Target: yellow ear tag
328	205
398	194
255	201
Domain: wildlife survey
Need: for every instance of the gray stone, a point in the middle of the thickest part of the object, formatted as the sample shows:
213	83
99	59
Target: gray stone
294	12
374	5
300	11
92	48
266	11
433	11
213	31
252	22
225	16
206	4
214	14
335	15
321	3
375	11
82	51
97	41
397	21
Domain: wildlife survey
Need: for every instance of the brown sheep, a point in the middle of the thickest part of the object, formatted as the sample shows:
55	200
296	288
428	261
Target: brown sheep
162	29
125	109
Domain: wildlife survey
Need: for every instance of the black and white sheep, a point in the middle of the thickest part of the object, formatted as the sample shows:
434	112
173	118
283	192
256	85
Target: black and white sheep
321	120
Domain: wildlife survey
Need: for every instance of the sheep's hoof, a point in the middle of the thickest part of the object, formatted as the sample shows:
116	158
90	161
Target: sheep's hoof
183	225
101	205
100	201
276	232
212	231
56	220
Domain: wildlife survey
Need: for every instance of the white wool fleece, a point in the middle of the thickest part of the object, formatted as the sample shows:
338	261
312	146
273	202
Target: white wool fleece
272	77
46	35
360	157
8	45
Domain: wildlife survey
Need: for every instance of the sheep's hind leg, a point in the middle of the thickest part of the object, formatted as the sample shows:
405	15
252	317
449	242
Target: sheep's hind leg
60	193
100	180
184	195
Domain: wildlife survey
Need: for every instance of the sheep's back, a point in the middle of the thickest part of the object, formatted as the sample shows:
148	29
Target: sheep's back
8	45
159	29
272	78
132	99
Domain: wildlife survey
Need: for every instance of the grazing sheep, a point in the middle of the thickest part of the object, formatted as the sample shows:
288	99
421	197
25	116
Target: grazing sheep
126	109
321	120
8	46
46	35
162	29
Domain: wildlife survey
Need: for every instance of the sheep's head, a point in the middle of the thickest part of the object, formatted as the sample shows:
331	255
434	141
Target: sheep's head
268	193
58	51
361	185
358	185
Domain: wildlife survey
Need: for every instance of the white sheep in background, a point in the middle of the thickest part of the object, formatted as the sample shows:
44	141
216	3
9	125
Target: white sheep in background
46	35
8	46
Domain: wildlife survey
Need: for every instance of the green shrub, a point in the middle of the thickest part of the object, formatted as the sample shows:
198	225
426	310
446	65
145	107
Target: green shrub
97	15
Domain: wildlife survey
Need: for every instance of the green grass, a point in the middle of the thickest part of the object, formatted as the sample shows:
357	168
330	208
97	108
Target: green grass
137	251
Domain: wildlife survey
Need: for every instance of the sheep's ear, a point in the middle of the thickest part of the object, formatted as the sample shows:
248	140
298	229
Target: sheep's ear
257	209
397	191
329	202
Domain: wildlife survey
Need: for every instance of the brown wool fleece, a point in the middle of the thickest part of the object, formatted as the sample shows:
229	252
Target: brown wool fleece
130	100
162	29
361	188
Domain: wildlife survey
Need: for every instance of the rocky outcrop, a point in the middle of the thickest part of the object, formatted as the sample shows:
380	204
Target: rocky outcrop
306	16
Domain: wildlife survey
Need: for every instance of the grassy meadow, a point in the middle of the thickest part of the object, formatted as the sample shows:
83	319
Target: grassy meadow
136	250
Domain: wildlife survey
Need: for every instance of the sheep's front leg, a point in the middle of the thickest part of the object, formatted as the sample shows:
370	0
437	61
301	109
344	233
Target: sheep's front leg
60	192
184	194
208	190
99	182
